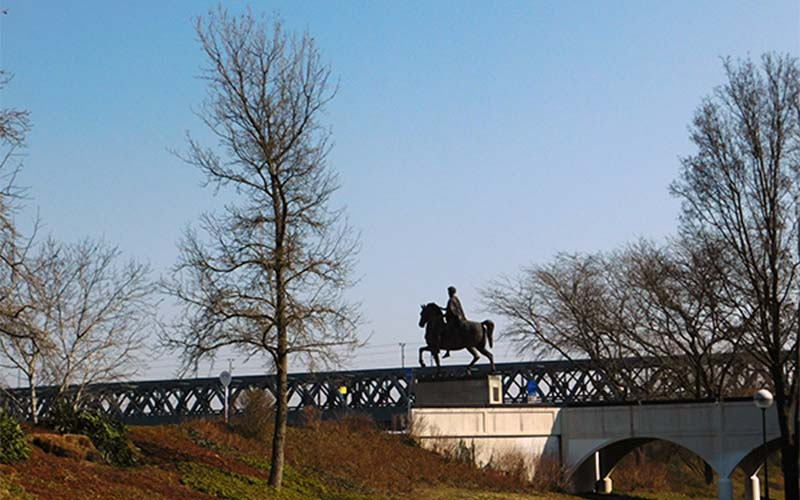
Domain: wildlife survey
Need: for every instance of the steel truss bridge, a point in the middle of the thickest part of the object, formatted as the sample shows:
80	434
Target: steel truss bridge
384	393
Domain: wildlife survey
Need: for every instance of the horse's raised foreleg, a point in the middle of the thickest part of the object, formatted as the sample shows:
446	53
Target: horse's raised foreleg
486	353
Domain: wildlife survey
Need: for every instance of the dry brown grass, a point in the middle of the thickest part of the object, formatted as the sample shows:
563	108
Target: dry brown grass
256	416
354	452
74	446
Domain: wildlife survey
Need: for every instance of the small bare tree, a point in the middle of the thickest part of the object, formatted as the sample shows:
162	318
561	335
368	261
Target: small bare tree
84	319
94	310
266	275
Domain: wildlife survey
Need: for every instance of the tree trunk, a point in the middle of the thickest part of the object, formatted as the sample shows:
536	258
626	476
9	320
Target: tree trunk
281	414
34	405
789	465
790	471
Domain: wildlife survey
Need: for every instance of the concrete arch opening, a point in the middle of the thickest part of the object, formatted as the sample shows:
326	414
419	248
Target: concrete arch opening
752	464
595	469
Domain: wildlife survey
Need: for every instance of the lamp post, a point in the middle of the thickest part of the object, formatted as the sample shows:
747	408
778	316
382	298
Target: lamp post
225	380
763	400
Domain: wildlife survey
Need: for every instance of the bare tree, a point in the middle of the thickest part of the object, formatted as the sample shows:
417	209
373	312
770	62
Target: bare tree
24	343
14	123
560	308
739	188
14	247
687	321
70	315
14	128
267	274
572	308
94	310
658	306
84	319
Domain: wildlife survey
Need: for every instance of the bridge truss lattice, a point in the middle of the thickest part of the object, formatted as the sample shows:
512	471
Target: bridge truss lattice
381	393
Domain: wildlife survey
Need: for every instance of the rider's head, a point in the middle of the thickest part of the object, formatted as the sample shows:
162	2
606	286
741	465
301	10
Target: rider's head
451	290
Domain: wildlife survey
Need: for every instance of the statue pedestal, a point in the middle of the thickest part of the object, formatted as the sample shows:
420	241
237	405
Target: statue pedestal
476	390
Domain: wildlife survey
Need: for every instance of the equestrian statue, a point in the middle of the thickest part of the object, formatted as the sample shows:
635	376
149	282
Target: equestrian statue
448	329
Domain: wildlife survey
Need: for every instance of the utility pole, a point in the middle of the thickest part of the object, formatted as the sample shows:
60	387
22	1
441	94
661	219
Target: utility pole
402	354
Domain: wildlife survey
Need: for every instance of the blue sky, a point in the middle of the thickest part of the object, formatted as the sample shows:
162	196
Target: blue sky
471	138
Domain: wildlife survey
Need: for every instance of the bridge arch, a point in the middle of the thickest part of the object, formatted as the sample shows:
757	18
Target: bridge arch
752	462
594	468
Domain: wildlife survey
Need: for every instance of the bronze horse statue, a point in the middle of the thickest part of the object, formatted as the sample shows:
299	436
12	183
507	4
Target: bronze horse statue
438	336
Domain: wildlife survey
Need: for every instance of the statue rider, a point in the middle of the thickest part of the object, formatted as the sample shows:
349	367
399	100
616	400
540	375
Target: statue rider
454	314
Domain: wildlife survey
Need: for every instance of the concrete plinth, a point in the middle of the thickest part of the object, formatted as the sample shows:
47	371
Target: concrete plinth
605	486
725	489
462	391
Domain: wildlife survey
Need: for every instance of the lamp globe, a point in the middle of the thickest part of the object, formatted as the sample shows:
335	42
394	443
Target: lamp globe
763	399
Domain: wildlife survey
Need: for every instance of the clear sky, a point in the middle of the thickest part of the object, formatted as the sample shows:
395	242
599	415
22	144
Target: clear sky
472	138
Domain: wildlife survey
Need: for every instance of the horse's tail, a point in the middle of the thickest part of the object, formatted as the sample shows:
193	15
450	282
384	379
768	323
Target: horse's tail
488	326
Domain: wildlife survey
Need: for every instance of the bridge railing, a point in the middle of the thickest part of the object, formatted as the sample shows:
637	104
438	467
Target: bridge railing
381	393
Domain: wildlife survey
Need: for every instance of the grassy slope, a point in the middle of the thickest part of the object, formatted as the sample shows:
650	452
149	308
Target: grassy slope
347	460
203	460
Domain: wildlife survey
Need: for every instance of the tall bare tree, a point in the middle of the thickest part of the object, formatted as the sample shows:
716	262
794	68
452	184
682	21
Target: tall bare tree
739	188
266	274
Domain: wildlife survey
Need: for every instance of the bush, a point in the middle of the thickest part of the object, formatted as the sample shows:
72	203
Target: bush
549	474
311	417
514	463
357	422
256	416
13	447
109	435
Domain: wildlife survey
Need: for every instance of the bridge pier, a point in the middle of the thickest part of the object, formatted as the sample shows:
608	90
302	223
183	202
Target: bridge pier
725	489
